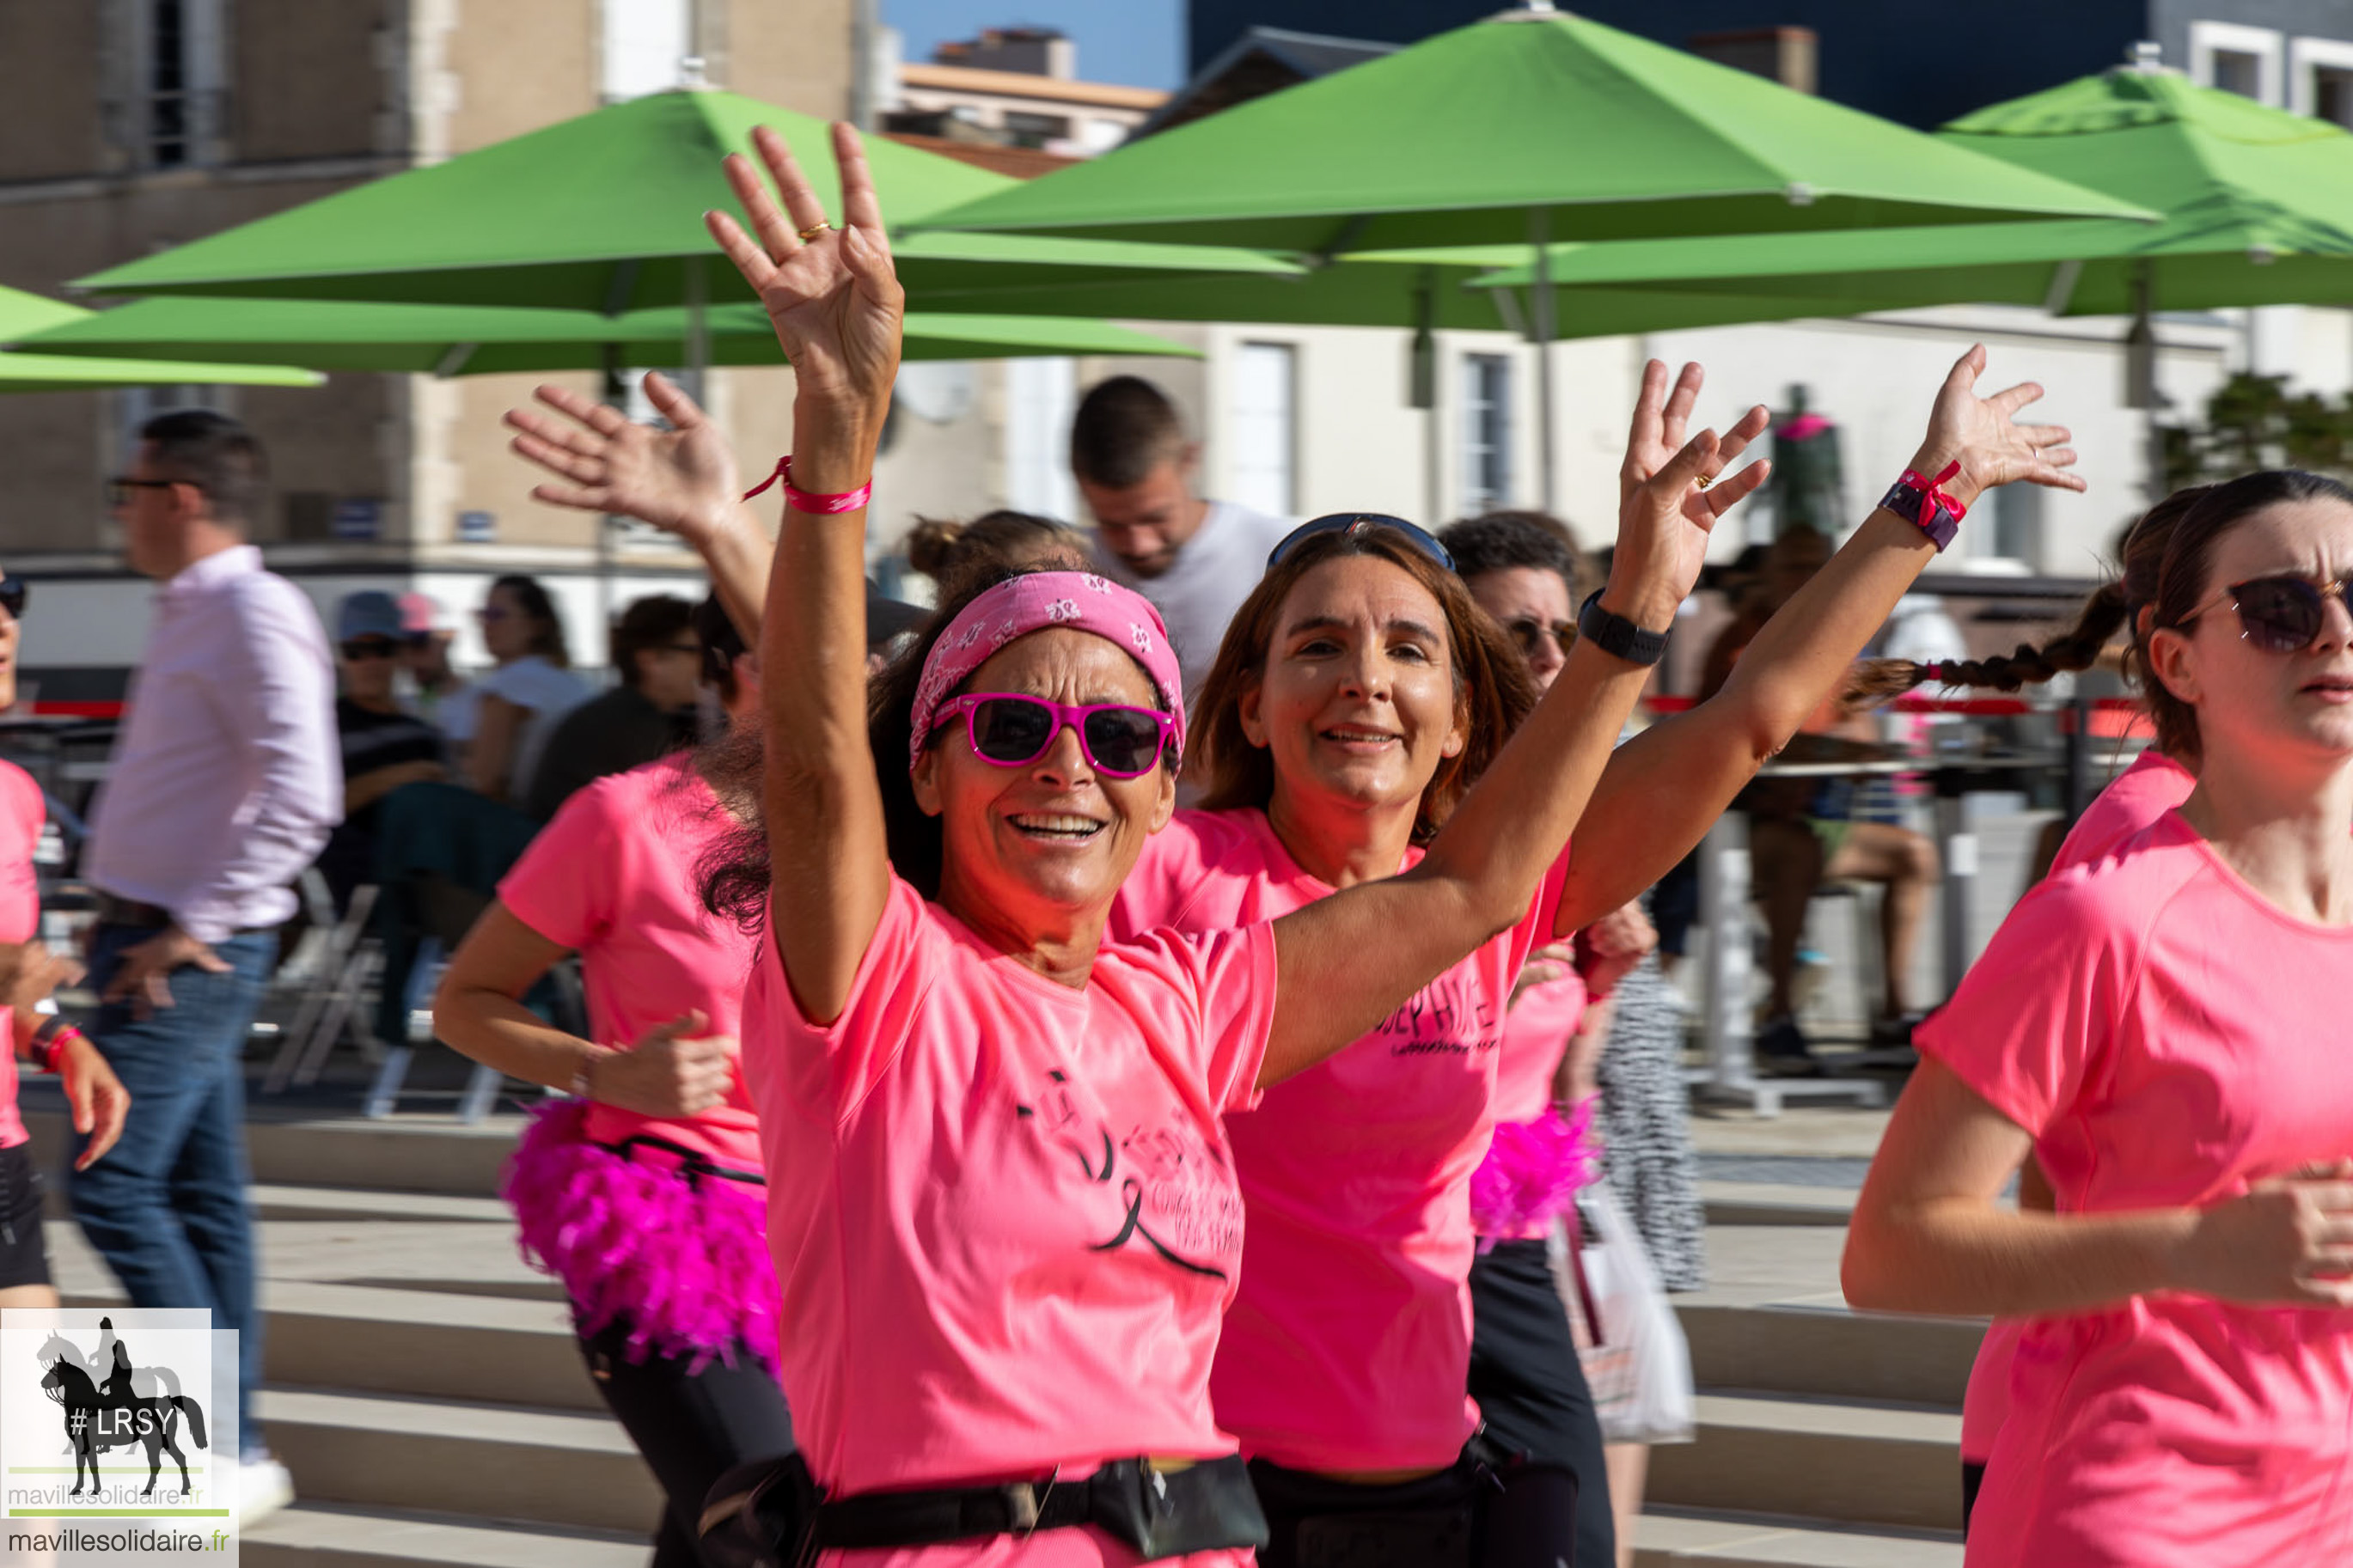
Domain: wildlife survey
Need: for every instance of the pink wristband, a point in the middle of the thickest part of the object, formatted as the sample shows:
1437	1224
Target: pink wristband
803	500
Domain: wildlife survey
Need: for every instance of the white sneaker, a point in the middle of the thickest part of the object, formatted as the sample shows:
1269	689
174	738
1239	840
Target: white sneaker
263	1487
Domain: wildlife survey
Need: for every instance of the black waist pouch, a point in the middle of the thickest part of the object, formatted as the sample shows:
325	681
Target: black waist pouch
773	1515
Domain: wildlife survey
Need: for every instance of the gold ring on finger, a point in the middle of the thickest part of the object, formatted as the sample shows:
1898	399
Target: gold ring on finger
1706	480
818	228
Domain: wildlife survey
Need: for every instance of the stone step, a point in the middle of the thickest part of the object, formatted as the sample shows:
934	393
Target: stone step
1850	1461
1831	1351
1774	1203
330	1535
488	1462
415	1154
282	1200
1713	1538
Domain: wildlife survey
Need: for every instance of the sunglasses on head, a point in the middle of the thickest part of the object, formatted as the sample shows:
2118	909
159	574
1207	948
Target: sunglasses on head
358	649
1421	539
1010	731
12	596
2280	614
1529	633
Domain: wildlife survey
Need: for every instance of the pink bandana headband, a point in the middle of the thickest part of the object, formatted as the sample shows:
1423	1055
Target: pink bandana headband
1034	602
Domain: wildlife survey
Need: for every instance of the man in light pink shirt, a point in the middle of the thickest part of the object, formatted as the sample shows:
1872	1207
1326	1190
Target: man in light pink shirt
223	785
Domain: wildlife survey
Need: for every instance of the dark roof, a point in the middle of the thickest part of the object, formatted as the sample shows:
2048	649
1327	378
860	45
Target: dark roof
1263	60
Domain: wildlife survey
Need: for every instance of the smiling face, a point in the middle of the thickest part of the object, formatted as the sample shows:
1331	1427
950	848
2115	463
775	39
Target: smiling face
1030	849
1358	704
2260	709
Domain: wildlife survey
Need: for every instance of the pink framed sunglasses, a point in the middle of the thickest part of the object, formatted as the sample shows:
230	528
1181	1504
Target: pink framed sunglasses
1013	730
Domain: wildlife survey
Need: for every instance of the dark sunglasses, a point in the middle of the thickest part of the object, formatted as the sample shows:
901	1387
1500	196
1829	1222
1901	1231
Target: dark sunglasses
119	489
370	647
1530	634
1421	539
2280	614
13	592
1012	732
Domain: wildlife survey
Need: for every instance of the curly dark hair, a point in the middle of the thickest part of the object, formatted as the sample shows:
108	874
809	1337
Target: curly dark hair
734	873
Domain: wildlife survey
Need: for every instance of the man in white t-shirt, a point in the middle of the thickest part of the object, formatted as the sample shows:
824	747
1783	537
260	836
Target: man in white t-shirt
1196	560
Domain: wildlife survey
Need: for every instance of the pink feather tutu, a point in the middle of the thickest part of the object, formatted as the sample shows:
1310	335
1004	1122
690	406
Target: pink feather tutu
1531	1171
684	1263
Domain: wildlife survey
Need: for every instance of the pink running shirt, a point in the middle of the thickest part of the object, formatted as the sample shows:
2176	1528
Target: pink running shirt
613	878
22	812
2153	786
1535	1036
1004	1211
1350	1343
2168	1037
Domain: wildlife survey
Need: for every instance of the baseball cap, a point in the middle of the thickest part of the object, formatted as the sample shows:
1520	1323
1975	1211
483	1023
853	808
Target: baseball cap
369	613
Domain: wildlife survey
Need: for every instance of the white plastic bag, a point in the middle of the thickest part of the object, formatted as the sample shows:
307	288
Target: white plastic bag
1638	1364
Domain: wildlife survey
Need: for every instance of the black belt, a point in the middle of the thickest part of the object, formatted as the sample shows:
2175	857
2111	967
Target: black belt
1160	1513
137	916
114	912
691	1163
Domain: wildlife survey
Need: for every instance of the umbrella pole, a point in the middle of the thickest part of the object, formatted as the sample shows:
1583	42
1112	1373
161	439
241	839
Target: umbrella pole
1424	393
617	396
1541	324
698	328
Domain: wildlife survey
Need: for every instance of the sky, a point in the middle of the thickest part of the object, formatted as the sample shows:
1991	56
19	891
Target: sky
1136	43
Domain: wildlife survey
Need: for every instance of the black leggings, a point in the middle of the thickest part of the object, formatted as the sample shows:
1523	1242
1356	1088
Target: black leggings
1531	1387
691	1426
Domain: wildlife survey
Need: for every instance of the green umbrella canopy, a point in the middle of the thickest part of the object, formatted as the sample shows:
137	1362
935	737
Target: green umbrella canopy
2257	205
604	213
473	340
22	314
1458	139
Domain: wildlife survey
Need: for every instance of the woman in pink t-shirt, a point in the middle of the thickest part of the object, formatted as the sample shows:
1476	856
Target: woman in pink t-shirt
643	1191
2153	786
28	973
2163	1025
1002	1198
1358	695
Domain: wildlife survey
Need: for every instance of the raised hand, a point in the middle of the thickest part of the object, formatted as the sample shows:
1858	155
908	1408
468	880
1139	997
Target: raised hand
682	479
1662	422
831	293
1982	435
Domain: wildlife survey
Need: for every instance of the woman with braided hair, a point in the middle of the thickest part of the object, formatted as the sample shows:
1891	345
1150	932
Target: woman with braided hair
2153	786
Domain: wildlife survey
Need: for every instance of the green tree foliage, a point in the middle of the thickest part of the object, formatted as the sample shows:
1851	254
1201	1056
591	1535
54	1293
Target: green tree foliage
2254	422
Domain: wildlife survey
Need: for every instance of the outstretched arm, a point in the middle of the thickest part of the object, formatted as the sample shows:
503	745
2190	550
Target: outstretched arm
1344	962
1665	787
838	310
683	480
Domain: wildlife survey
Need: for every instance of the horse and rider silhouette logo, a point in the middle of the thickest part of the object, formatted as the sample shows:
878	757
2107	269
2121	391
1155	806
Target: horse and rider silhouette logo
106	1402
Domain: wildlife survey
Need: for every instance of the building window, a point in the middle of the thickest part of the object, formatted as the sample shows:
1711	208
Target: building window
644	42
1265	428
1486	432
1036	130
2017	532
2320	79
2241	59
179	88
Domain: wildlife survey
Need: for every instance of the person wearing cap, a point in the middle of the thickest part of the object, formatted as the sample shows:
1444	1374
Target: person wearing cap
384	745
441	696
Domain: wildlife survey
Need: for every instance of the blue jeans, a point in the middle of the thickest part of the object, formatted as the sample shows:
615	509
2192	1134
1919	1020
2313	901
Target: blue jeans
166	1207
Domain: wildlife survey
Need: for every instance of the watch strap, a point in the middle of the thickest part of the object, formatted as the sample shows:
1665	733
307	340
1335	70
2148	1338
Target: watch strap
1924	503
1616	636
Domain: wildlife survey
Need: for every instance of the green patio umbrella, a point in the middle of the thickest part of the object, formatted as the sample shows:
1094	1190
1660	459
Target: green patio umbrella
604	213
1458	140
480	340
2256	209
22	314
1520	129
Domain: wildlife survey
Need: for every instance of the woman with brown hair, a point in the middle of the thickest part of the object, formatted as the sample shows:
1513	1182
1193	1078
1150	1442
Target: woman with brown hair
2162	1026
954	554
1358	696
515	707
